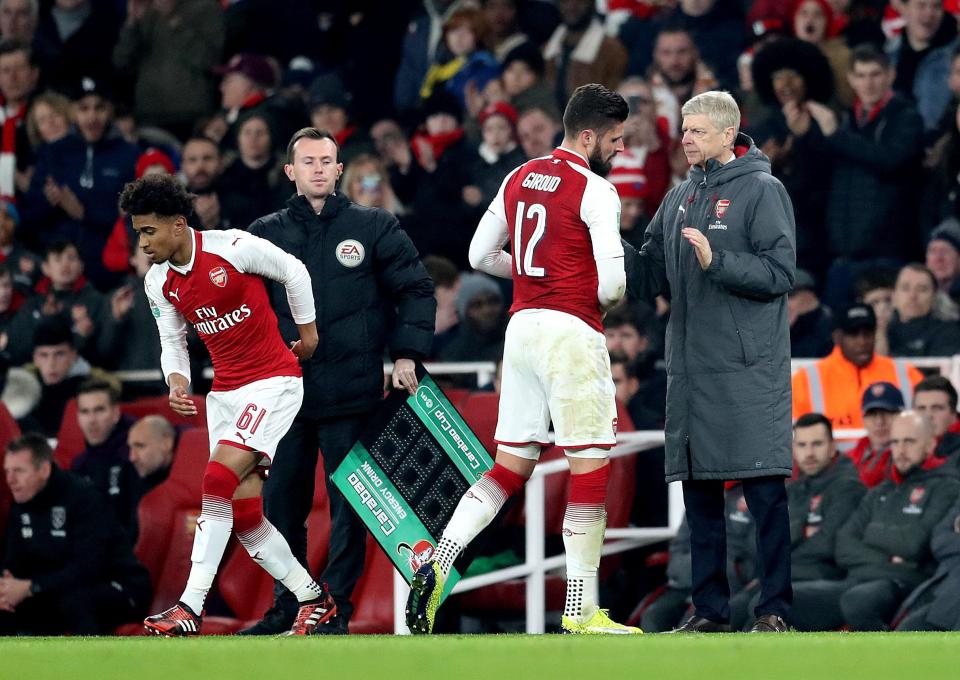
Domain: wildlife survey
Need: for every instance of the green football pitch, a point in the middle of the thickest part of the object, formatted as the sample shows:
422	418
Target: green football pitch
919	656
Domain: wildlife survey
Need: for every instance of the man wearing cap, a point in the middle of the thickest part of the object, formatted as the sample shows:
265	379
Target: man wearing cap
943	257
74	189
871	455
329	103
480	333
834	385
885	545
811	324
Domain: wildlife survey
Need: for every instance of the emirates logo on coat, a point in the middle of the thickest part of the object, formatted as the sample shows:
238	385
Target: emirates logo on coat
218	275
720	209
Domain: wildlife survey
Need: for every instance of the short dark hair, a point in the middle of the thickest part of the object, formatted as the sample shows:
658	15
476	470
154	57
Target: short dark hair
593	107
36	444
161	195
938	383
12	45
866	53
204	140
621	359
310	133
625	315
873	278
100	385
811	419
59	247
441	270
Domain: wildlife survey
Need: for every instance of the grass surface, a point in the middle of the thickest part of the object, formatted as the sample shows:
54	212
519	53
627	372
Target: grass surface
918	656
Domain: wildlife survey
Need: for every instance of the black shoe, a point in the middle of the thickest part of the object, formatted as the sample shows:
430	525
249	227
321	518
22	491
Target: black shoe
769	623
698	624
278	619
335	626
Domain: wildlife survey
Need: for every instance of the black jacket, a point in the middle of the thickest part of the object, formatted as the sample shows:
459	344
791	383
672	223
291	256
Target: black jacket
811	335
923	337
65	538
819	506
896	519
370	289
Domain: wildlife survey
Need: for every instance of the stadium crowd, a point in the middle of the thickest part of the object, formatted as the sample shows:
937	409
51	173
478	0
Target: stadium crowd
856	103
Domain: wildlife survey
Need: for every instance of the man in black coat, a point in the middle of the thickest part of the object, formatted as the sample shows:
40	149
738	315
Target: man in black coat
67	566
371	291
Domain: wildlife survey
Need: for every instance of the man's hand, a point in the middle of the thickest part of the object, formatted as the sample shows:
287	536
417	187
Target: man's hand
121	302
700	244
179	400
82	323
472	195
51	305
405	375
70	204
307	344
826	119
13	591
798	119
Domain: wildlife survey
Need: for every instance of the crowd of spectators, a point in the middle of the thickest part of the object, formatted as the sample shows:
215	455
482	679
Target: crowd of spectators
856	103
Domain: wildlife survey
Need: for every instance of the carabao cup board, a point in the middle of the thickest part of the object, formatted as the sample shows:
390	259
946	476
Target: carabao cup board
407	472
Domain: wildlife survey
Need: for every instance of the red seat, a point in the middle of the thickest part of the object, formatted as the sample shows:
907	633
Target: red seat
373	597
69	438
160	406
457	396
9	430
480	409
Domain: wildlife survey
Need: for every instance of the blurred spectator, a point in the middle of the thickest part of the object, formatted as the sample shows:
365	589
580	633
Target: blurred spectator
420	47
874	287
933	604
646	140
201	166
871	454
366	183
168	48
329	104
446	288
68	567
62	293
152	442
432	185
73	192
625	334
716	27
943	257
787	73
483	321
503	27
921	70
831	386
885	546
667	610
579	52
392	145
915	330
629	179
813	21
74	39
677	70
940	200
641	389
523	80
18	79
48	119
811	324
461	65
18	20
875	153
821	499
539	131
936	398
23	265
253	184
496	157
61	371
10	301
105	459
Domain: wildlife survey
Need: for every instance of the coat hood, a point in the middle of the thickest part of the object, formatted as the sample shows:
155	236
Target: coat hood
749	159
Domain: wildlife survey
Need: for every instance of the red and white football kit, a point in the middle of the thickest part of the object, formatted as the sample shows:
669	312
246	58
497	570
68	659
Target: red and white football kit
257	385
567	265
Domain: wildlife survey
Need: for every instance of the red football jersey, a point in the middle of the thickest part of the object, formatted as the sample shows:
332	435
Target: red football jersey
222	294
550	206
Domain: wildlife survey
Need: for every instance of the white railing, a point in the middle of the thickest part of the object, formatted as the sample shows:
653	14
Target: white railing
537	564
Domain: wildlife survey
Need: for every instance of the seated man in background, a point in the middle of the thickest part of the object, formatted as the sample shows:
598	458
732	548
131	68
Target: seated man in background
936	398
811	324
68	566
885	545
871	455
105	460
152	442
821	499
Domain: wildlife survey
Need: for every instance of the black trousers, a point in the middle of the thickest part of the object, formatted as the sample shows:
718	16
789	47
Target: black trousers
92	610
767	501
288	498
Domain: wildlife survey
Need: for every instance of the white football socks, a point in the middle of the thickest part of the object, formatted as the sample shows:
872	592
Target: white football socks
583	528
270	550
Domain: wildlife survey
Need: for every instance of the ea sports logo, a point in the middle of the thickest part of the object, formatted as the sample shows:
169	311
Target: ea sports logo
350	253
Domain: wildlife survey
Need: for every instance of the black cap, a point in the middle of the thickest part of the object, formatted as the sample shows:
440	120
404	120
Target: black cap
857	317
328	89
882	396
88	85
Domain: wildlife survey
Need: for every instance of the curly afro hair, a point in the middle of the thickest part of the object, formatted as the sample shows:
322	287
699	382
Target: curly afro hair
159	195
802	57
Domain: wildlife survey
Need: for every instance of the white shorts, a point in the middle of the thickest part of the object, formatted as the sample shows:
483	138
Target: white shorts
256	416
555	367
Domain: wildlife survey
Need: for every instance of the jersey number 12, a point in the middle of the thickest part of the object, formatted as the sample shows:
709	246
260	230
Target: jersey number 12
523	253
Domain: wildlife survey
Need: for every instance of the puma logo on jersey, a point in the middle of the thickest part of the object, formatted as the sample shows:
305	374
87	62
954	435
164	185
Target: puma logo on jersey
535	180
175	294
235	241
242	438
